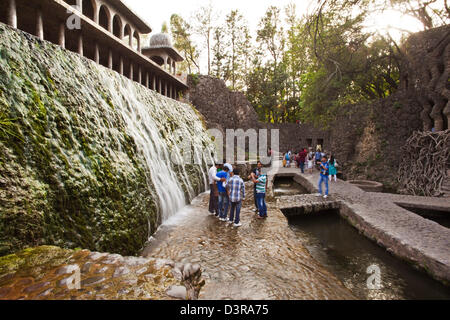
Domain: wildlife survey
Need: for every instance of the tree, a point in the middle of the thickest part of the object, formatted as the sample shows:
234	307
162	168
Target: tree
270	33
431	13
218	52
204	18
181	33
236	29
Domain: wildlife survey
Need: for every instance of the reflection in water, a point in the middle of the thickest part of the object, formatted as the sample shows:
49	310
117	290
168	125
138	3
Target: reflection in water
347	254
263	259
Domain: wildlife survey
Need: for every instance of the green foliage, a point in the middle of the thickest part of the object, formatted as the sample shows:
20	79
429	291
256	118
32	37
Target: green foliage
195	79
182	34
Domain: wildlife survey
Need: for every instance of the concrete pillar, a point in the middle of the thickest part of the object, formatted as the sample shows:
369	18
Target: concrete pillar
12	14
80	44
174	67
130	40
39	24
147	80
97	54
110	59
122	31
159	86
165	62
111	24
138	42
169	94
131	71
62	35
140	75
121	65
96	12
165	89
154	83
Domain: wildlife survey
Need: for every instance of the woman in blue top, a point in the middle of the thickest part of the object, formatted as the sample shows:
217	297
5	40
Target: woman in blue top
288	159
332	167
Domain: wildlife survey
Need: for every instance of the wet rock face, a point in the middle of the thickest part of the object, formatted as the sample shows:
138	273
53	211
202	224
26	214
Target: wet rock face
47	273
85	153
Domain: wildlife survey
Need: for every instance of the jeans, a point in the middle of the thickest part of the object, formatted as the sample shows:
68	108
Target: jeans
235	206
213	206
323	179
302	166
262	208
224	203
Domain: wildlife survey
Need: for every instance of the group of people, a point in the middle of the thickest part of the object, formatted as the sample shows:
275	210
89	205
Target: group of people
227	192
326	165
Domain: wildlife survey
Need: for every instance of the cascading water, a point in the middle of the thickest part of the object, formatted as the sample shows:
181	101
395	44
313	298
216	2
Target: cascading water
142	125
89	158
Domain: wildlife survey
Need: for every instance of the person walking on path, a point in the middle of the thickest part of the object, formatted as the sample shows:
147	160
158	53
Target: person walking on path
224	201
324	172
288	159
332	164
302	159
261	187
236	193
310	163
254	175
214	192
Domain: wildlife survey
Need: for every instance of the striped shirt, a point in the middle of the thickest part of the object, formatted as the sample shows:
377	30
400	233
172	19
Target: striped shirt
237	189
261	184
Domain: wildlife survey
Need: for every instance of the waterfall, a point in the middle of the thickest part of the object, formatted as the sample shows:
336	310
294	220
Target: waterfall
91	158
144	124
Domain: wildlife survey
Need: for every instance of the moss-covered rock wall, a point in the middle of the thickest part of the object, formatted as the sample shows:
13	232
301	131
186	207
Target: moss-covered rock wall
73	171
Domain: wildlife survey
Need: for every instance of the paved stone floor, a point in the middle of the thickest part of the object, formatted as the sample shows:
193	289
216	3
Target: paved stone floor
51	273
263	259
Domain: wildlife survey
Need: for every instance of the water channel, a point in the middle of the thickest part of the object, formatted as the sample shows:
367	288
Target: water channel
317	257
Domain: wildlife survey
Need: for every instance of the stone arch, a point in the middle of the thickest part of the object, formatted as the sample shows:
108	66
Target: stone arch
89	8
104	17
118	26
128	33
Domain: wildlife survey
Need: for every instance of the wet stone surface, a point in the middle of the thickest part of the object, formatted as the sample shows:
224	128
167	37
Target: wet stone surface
263	259
54	273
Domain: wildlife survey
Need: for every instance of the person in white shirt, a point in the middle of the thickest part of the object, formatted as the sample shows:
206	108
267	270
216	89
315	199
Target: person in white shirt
214	192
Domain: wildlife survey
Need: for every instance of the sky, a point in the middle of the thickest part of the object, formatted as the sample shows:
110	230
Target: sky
156	12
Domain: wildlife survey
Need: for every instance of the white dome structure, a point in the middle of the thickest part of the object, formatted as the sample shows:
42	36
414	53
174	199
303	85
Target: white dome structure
162	52
160	40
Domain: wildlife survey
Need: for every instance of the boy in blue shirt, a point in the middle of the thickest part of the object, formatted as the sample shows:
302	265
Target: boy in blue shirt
224	201
324	172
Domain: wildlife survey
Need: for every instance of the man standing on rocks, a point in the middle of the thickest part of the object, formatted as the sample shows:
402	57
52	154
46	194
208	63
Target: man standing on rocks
214	194
253	176
261	186
324	172
236	192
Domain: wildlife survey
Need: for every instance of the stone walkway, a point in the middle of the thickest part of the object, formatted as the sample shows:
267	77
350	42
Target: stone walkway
420	241
263	259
